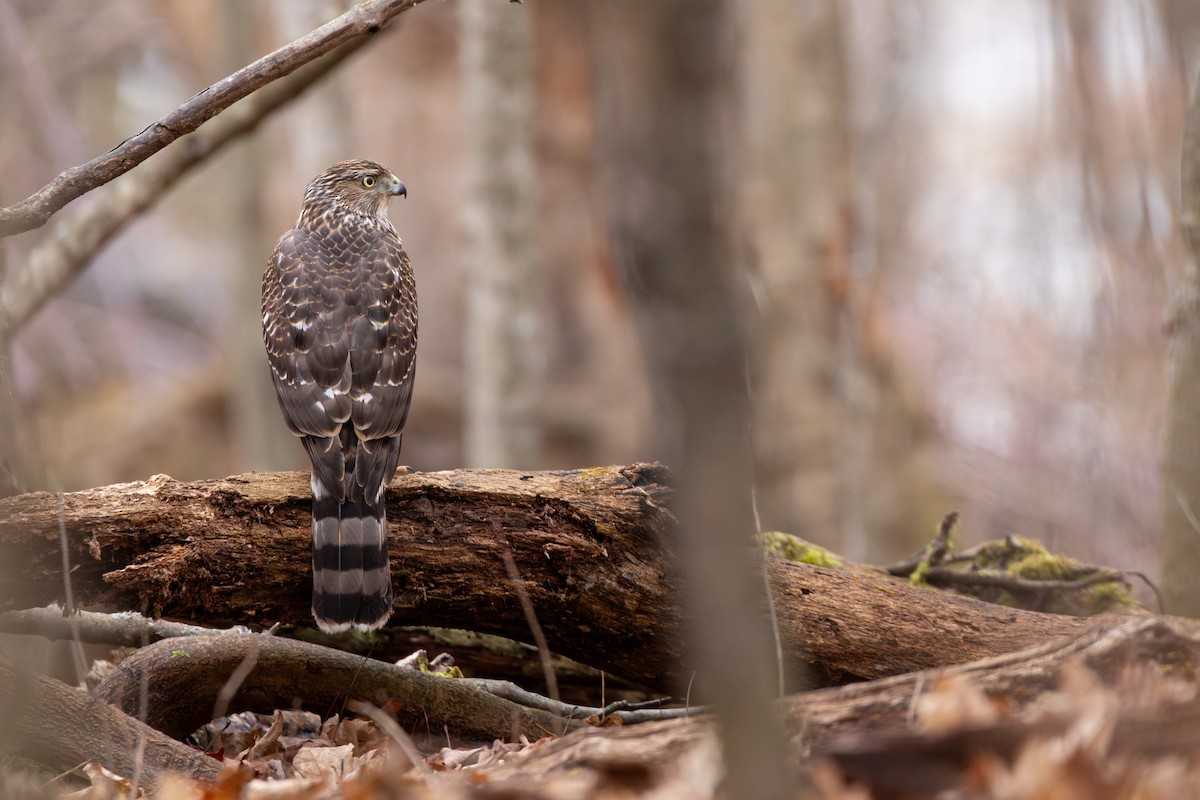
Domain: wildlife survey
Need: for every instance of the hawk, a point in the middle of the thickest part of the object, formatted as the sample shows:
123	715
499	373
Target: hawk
339	316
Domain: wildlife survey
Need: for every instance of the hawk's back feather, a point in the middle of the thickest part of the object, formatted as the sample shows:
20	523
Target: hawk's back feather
340	325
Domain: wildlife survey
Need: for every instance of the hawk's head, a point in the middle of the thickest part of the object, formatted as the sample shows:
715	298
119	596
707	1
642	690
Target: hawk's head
362	187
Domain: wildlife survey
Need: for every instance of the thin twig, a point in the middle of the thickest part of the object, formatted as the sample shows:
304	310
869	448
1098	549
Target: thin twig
911	717
535	627
1186	507
139	753
1158	598
352	28
357	672
777	639
76	770
235	680
392	729
68	611
139	763
627	712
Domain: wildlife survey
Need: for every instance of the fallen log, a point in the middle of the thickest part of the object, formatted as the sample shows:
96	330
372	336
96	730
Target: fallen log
1123	714
61	728
592	547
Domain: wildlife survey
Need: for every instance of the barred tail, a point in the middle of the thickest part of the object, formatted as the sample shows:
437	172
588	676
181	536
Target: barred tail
352	583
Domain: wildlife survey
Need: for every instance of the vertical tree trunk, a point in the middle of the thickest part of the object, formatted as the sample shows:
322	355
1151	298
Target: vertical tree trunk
1181	452
10	461
797	196
664	87
504	358
11	464
321	130
260	440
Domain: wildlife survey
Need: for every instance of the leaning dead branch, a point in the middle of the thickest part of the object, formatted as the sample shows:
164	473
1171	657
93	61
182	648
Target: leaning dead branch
933	553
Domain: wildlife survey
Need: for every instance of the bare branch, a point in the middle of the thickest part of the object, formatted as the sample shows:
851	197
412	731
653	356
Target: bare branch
535	627
628	714
946	576
932	554
125	628
62	256
355	26
185	676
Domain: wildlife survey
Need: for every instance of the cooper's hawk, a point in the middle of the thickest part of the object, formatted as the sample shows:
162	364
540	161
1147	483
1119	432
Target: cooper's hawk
339	314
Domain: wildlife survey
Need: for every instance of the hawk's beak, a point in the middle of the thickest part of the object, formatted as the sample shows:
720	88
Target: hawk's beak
396	187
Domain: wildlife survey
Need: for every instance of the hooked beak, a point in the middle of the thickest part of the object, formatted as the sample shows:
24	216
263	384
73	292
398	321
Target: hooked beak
396	187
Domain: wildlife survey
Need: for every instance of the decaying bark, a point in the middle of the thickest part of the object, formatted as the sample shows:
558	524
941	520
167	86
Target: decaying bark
593	550
592	546
49	723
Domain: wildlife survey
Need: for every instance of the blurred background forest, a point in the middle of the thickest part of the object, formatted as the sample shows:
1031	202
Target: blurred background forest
958	222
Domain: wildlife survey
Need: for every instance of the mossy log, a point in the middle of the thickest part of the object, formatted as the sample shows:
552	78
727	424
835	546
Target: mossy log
593	548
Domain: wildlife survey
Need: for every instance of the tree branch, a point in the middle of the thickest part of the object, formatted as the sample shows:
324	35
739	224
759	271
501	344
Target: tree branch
186	677
355	26
57	260
123	629
62	256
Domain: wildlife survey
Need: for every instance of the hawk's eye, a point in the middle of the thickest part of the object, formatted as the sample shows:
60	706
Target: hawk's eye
368	181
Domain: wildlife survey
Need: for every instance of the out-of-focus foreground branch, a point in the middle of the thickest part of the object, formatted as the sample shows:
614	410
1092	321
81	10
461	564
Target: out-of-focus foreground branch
667	88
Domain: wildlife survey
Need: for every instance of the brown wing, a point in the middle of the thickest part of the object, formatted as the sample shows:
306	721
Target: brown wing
340	328
383	342
306	346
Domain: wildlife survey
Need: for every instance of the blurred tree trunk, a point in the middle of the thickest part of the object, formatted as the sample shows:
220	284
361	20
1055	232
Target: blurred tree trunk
504	348
1179	25
795	185
322	128
10	461
814	398
663	82
259	440
1181	452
